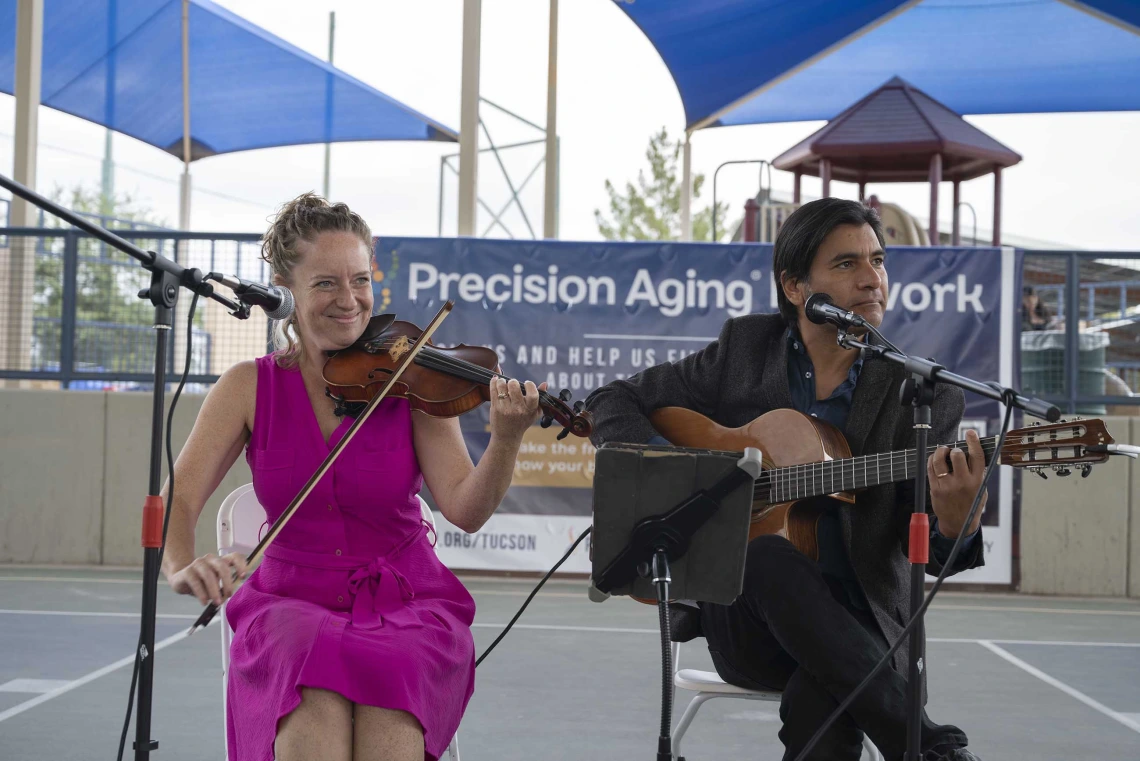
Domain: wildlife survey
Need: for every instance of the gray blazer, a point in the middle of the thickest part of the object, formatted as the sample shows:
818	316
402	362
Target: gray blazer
742	375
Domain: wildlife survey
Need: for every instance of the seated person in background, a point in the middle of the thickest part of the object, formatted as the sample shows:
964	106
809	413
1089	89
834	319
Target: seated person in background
1034	314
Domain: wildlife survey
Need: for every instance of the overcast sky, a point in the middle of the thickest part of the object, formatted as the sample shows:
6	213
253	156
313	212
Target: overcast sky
1078	184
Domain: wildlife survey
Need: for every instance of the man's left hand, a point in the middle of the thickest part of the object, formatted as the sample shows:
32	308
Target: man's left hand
953	484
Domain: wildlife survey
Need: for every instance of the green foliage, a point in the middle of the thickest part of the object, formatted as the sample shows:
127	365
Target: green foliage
651	210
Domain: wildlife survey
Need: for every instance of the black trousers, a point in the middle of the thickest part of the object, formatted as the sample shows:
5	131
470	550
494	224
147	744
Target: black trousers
794	631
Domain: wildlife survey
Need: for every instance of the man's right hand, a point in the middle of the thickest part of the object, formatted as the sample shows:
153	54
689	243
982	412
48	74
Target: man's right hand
210	578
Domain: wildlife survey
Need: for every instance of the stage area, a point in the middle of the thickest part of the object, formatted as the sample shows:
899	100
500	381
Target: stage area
1033	678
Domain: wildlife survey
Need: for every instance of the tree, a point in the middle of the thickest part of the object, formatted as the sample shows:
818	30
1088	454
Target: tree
652	209
108	312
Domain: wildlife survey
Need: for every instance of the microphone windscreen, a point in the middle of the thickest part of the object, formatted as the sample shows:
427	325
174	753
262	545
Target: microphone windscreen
814	300
285	308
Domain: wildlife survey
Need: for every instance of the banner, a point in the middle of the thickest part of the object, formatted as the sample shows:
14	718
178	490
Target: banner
579	315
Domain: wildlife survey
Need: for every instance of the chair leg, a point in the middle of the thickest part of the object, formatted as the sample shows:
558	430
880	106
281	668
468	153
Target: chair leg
687	719
872	752
453	749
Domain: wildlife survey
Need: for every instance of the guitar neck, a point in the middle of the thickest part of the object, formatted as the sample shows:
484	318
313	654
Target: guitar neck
831	476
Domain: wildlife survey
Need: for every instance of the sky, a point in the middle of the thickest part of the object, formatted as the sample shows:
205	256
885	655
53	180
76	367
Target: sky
1077	185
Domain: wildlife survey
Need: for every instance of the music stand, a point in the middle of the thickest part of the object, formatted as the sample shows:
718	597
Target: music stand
660	511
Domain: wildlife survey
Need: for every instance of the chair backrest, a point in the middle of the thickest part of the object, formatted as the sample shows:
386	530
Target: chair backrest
241	517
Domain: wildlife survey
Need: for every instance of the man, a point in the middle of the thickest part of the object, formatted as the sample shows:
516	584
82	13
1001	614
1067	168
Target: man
815	629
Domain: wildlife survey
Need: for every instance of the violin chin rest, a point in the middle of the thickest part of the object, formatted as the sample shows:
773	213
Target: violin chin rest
377	325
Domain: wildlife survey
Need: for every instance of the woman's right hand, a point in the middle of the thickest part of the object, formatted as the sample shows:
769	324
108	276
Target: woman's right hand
210	578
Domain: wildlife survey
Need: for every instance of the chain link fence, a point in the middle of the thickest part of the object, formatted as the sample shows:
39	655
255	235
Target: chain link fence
1080	323
71	316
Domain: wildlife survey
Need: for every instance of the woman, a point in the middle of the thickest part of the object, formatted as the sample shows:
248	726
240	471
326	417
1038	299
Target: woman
351	639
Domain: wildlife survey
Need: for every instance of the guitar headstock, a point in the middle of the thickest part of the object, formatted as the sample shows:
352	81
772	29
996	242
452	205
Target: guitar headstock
1056	446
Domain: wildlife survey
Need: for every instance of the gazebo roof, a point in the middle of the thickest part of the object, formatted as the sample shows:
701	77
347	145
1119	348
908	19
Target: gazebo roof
890	136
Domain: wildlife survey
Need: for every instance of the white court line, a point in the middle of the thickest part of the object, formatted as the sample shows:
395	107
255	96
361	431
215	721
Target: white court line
554	627
619	630
14	612
1070	691
71	579
1016	609
16	710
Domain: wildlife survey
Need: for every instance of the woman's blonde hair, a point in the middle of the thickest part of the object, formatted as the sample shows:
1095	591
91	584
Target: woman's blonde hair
301	220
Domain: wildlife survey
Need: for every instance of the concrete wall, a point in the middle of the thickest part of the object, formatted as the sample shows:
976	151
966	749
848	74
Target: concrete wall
1079	536
73	475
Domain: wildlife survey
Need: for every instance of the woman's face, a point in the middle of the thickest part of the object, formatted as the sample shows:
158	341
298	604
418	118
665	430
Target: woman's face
332	285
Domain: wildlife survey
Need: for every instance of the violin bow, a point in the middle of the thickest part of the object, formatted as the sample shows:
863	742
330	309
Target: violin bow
278	525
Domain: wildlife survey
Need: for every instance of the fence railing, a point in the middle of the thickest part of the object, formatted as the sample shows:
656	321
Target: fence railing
81	323
1080	341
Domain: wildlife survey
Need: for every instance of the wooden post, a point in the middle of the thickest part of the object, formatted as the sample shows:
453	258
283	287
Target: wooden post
825	175
796	192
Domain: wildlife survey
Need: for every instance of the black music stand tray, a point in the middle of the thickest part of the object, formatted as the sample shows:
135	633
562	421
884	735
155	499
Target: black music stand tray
660	511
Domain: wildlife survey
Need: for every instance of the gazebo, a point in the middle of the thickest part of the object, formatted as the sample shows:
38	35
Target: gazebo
900	134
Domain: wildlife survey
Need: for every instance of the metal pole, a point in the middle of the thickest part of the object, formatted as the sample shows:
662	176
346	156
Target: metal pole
997	206
469	117
16	321
955	233
687	190
935	179
825	176
328	146
716	171
550	193
184	201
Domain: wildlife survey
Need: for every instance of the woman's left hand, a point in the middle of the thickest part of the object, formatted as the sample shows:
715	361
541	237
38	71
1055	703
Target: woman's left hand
512	411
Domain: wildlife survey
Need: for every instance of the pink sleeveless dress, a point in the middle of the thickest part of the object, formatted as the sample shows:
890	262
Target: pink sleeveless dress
351	596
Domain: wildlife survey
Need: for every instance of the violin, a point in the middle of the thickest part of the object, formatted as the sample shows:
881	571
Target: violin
441	382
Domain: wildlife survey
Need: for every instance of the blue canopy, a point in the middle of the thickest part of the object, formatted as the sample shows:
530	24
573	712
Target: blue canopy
118	63
761	61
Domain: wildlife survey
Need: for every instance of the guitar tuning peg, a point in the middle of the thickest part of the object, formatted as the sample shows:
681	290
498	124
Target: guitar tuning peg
1039	472
1085	470
545	421
1062	471
563	434
565	395
579	406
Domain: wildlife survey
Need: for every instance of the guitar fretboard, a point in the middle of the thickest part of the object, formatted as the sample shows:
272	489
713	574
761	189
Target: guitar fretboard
831	476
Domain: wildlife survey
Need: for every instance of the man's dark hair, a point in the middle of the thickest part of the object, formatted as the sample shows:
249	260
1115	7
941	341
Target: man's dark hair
803	233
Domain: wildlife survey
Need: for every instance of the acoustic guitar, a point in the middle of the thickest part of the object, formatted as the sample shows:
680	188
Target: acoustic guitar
805	457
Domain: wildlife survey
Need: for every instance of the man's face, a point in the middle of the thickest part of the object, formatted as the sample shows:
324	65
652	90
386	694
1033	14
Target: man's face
850	267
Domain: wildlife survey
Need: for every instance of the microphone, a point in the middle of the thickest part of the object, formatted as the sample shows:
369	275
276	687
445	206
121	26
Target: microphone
276	302
820	308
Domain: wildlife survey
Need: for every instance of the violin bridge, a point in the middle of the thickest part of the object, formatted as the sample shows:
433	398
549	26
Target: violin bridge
400	347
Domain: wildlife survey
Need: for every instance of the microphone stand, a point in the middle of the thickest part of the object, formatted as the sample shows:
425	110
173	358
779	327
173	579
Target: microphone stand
918	392
166	277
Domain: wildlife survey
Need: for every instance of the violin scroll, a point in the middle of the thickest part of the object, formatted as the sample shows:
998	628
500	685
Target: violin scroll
573	419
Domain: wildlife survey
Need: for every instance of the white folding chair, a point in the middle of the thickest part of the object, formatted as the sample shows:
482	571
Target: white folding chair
240	519
709	685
